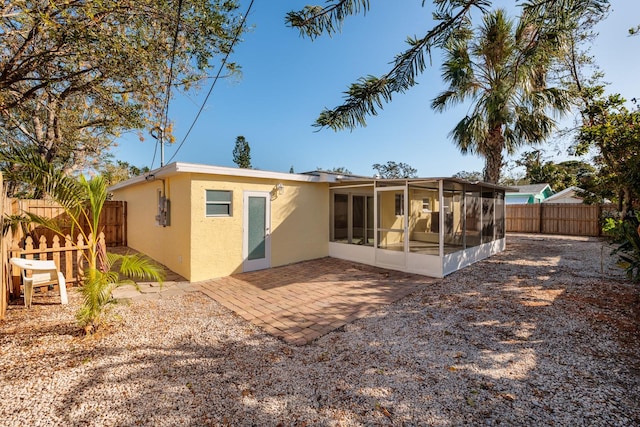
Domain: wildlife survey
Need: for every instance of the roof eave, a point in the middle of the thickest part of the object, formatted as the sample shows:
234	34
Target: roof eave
180	167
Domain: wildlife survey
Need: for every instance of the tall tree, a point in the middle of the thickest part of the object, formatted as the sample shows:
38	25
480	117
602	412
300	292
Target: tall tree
366	96
242	153
570	173
503	68
575	68
75	74
469	176
338	169
614	130
118	171
391	170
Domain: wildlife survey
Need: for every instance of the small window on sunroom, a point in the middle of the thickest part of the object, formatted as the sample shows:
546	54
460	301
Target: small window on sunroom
426	205
218	203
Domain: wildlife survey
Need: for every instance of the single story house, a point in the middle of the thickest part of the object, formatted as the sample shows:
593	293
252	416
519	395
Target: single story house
205	221
527	194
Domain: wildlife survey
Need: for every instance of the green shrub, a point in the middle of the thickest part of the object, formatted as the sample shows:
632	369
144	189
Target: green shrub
626	235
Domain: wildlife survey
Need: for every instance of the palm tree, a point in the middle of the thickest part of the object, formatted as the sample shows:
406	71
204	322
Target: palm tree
82	201
502	68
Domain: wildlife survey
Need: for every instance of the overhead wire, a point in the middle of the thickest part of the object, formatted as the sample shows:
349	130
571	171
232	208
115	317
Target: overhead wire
224	61
165	109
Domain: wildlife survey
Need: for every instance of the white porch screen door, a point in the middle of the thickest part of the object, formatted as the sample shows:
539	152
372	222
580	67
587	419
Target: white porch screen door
391	239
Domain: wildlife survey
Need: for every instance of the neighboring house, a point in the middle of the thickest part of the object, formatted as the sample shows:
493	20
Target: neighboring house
206	221
527	194
568	195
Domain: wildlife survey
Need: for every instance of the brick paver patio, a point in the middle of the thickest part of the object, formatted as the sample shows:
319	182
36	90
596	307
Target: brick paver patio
303	301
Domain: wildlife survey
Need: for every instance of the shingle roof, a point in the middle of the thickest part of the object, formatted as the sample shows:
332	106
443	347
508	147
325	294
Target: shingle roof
530	189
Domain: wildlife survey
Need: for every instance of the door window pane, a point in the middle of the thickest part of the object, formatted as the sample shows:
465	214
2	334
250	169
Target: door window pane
257	227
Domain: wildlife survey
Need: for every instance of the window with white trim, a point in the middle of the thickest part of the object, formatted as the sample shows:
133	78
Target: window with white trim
218	203
426	205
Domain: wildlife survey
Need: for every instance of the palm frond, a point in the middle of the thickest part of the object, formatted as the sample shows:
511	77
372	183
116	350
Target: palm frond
367	95
96	190
136	266
13	223
34	169
468	132
550	8
49	223
97	293
312	21
363	99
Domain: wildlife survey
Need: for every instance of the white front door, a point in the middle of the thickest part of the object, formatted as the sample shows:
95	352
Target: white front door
256	246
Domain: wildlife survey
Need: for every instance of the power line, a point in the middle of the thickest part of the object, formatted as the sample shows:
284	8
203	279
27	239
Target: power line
165	109
224	61
153	160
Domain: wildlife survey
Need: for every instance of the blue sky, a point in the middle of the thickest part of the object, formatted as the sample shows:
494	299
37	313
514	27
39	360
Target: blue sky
287	80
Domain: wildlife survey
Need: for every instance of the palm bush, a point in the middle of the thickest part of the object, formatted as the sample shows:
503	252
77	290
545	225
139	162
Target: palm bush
626	234
82	200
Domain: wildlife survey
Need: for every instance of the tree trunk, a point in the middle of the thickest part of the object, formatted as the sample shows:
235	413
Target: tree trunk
493	155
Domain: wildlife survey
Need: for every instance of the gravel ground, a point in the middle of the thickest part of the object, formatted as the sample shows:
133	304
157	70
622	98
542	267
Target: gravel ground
545	333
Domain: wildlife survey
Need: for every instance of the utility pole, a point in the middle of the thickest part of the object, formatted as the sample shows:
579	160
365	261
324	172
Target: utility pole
161	148
158	134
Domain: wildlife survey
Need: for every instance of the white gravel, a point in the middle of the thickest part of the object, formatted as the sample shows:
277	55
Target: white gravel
539	335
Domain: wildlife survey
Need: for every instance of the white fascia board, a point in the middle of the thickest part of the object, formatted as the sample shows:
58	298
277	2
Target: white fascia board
131	181
252	173
178	167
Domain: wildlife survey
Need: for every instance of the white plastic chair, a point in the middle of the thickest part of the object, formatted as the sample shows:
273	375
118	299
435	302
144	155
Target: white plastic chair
43	273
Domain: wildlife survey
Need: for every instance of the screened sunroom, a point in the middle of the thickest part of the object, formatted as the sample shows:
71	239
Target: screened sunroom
429	226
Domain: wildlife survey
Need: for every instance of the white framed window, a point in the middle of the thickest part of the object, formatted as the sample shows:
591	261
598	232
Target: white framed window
218	203
426	205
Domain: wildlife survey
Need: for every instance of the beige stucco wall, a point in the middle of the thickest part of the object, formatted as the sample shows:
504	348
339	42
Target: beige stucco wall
199	247
418	220
167	245
299	224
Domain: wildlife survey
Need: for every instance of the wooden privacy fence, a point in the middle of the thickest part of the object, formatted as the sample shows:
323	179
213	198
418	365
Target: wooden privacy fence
555	218
113	219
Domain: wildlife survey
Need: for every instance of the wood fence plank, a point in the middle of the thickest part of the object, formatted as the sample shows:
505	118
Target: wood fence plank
555	218
112	221
68	258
